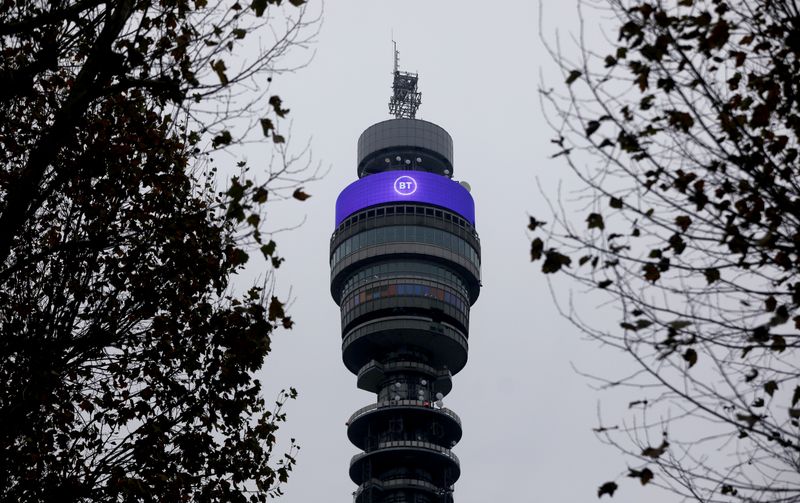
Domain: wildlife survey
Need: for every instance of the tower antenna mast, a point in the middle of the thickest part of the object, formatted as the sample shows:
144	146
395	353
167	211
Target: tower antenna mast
396	57
406	98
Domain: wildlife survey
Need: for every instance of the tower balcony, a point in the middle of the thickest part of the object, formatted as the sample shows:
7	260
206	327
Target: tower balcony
440	462
373	373
445	345
412	303
416	415
397	213
373	489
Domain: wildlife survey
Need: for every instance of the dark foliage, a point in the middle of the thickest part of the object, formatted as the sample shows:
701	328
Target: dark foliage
126	362
686	135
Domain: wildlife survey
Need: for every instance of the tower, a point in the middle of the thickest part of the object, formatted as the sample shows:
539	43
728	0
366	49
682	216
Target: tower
405	269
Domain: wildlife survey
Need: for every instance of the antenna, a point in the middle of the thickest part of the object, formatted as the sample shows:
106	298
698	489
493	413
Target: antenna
405	99
396	57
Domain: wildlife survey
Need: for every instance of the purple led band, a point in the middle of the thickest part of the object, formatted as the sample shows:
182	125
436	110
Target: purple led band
405	186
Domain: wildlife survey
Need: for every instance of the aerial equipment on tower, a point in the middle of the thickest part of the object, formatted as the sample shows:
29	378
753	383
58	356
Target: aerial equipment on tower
405	99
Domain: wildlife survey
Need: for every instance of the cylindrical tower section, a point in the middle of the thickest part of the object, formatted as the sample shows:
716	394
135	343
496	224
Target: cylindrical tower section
405	269
405	144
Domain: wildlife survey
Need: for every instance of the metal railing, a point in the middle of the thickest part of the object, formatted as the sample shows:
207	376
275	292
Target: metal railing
408	444
422	404
360	218
400	483
404	365
382	324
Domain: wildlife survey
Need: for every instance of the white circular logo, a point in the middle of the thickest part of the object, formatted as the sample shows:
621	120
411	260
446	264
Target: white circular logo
405	185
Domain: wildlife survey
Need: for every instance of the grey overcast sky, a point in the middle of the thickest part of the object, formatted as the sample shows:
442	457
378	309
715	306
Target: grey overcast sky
527	415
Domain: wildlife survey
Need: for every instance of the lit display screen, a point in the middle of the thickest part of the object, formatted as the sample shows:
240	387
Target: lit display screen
405	186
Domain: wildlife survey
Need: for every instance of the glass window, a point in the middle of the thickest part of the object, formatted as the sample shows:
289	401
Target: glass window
404	290
430	234
406	233
436	274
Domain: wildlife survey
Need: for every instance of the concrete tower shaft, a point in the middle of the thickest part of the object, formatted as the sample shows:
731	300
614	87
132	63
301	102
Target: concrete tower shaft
405	270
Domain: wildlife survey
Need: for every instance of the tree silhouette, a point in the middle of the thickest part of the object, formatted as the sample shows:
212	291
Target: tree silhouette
685	138
126	357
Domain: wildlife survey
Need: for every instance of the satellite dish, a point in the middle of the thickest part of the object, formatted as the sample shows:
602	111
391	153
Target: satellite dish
466	185
439	396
